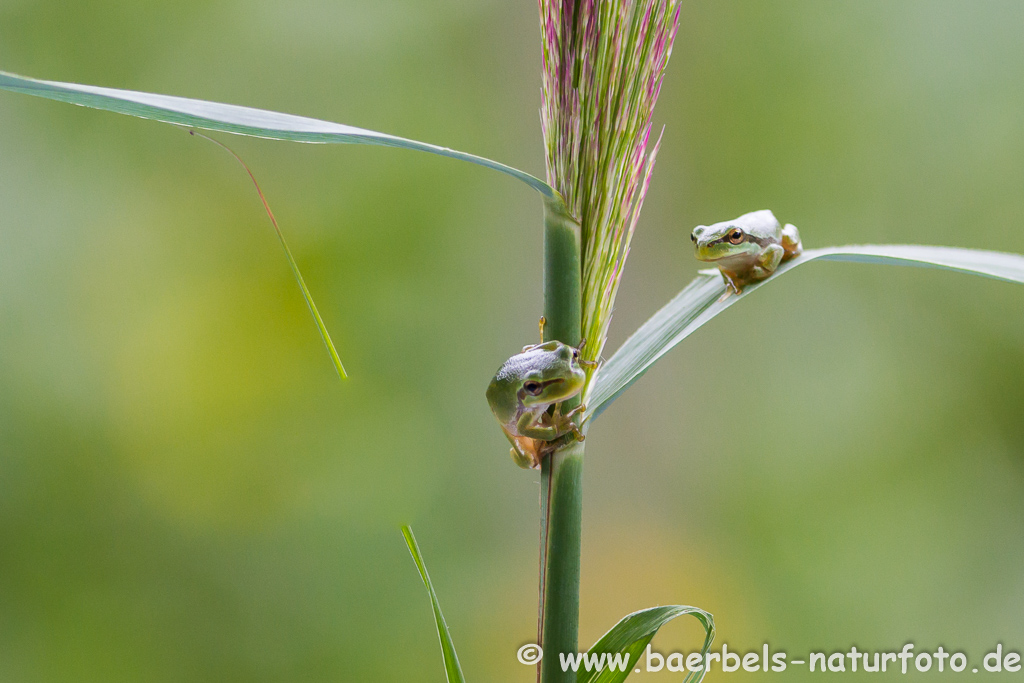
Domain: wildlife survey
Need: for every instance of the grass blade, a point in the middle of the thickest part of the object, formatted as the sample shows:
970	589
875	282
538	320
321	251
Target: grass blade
324	334
451	660
230	118
700	301
632	635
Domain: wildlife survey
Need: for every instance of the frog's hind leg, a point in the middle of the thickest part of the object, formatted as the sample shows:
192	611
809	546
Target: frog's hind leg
791	242
526	453
767	262
520	459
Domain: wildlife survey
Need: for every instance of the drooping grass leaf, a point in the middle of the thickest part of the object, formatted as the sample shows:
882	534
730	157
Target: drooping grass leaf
451	660
230	118
701	300
632	635
301	281
253	122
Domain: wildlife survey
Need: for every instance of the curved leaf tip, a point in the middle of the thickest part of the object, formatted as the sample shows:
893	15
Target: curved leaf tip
631	636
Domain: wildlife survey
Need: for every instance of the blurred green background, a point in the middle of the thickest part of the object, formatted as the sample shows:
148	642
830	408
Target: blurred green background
188	493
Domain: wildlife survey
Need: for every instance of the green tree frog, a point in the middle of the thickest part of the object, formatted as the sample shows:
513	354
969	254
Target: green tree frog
526	393
748	248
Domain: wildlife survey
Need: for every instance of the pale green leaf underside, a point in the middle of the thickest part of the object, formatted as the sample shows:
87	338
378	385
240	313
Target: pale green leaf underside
451	661
701	301
632	635
229	118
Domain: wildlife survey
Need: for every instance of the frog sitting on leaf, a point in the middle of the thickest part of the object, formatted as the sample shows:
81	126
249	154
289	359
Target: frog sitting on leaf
748	248
526	396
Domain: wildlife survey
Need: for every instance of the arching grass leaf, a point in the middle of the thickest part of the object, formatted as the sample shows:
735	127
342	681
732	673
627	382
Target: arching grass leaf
451	660
230	118
632	635
701	300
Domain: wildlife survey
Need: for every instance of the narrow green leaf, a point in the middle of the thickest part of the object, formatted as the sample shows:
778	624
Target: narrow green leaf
632	635
451	660
230	118
301	281
701	300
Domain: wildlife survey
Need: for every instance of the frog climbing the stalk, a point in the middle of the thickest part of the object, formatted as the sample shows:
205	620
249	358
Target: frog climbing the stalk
526	394
748	248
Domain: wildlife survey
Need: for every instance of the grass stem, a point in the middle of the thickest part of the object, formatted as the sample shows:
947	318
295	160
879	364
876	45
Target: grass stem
561	472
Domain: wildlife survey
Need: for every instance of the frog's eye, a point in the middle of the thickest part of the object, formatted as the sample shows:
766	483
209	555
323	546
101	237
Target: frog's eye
735	236
693	238
533	388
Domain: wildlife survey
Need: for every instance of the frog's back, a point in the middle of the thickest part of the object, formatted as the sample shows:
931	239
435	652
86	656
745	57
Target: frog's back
536	360
761	224
512	370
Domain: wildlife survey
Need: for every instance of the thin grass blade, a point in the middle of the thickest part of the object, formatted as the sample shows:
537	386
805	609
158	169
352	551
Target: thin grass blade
229	118
451	660
701	300
632	635
301	281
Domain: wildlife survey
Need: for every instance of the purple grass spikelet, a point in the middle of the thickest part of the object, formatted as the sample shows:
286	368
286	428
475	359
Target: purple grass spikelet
603	66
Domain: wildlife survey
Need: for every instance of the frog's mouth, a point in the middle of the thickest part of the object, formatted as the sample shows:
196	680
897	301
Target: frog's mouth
711	255
703	255
710	252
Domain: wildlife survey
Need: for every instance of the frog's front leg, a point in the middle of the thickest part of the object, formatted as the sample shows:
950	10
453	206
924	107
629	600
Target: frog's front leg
733	283
534	426
565	423
543	427
572	413
767	262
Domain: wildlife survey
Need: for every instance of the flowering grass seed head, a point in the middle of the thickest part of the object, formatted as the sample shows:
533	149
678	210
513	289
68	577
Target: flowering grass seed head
604	63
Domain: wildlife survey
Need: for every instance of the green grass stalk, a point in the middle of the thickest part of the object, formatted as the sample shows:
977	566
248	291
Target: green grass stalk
561	472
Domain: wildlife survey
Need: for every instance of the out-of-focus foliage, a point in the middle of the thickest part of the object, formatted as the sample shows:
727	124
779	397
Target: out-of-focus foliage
187	491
